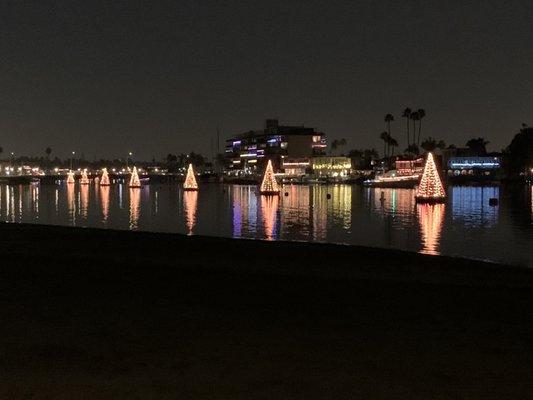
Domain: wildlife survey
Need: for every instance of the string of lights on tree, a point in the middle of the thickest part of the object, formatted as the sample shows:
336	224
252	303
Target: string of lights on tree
190	180
269	185
135	182
104	181
430	189
84	178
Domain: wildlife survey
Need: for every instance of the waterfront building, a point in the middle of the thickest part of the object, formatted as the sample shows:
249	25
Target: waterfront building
327	166
247	152
477	167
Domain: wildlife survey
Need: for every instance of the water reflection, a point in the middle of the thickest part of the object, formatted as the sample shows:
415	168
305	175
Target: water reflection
295	218
135	207
269	210
244	202
71	204
190	205
430	218
84	201
335	213
470	205
319	207
104	199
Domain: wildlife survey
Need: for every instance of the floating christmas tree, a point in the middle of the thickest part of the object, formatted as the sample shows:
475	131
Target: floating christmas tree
430	189
70	177
269	184
190	181
84	178
104	181
134	180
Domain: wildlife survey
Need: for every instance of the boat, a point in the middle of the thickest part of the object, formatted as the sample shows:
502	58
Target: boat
391	179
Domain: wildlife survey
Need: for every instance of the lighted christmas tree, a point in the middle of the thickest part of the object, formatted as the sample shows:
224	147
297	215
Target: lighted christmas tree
269	184
430	189
134	180
104	181
84	178
70	177
190	180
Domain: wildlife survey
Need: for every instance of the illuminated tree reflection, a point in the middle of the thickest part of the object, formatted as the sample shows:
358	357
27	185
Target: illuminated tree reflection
135	207
190	205
430	218
104	197
269	209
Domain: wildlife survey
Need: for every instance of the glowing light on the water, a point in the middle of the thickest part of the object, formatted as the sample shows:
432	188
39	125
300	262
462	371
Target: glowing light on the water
104	198
84	201
269	209
190	205
135	207
430	218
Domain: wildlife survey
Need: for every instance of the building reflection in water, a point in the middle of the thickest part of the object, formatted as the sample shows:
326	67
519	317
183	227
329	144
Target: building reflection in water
71	203
190	206
269	210
430	218
319	212
84	201
244	202
104	199
398	203
470	205
340	205
135	207
295	215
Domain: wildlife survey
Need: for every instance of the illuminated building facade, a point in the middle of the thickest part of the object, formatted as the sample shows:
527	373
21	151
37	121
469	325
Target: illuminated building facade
332	166
474	166
409	167
248	151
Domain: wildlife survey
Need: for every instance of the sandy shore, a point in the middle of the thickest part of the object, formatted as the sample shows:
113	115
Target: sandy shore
91	314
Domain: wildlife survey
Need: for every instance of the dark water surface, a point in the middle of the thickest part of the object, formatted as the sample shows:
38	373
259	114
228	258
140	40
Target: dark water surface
465	226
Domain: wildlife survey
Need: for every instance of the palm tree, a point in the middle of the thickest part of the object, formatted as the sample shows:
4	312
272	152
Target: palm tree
478	145
334	146
388	119
407	114
392	143
385	137
421	114
414	117
342	143
431	144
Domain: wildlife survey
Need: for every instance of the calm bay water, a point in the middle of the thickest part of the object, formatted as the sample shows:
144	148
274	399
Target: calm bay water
465	226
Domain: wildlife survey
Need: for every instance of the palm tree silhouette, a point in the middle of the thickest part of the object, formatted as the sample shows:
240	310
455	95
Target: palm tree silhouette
385	137
392	143
407	114
414	117
478	145
342	143
431	144
334	146
421	114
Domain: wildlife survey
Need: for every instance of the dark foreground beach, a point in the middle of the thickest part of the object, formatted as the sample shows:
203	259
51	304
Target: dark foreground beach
91	314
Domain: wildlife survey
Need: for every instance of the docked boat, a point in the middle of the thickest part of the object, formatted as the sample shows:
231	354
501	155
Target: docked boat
391	179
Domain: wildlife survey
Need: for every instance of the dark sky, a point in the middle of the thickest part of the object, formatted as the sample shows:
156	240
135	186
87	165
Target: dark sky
155	77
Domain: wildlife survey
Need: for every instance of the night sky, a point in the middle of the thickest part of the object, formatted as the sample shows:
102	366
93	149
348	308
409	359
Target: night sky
104	78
